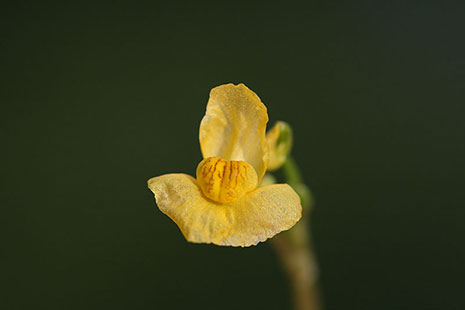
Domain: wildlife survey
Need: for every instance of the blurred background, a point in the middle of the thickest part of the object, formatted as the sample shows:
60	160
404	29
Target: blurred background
96	99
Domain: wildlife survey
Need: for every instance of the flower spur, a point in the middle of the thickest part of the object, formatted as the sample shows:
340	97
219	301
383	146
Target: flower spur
224	204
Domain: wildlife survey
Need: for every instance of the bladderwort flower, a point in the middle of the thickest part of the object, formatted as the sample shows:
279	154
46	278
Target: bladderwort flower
224	204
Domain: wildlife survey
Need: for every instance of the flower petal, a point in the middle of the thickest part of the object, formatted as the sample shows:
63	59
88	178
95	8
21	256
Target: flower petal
200	219
256	217
234	126
263	213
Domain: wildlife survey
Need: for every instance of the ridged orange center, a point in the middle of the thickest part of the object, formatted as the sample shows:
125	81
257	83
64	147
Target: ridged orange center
225	181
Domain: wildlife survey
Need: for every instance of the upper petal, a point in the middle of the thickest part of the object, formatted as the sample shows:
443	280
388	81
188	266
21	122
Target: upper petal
234	126
256	217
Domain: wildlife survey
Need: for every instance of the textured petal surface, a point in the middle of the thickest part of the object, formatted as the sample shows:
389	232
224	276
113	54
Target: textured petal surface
234	126
263	213
256	217
200	220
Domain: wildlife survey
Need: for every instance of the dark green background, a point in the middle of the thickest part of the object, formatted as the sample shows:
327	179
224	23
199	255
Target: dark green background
95	99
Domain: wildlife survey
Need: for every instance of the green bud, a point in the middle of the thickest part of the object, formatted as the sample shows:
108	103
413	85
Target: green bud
279	140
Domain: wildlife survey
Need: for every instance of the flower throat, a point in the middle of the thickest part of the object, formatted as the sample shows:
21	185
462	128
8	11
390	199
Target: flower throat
225	181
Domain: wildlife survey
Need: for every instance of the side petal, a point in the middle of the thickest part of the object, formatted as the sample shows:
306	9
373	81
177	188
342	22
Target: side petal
234	126
199	219
263	213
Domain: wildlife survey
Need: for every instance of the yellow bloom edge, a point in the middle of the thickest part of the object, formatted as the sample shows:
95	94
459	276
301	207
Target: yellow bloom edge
254	218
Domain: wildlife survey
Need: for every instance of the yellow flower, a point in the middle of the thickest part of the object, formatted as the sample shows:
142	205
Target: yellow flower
224	205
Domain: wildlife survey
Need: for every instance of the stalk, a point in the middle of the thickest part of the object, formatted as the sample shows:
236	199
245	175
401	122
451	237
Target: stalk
295	250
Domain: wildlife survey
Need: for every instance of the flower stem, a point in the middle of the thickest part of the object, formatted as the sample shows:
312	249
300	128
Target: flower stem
295	249
292	171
